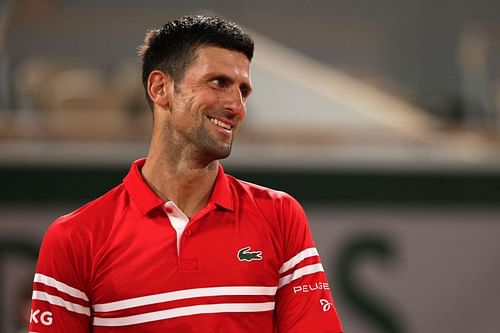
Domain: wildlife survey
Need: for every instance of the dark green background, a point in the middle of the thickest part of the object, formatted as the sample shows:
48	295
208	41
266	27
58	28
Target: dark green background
56	184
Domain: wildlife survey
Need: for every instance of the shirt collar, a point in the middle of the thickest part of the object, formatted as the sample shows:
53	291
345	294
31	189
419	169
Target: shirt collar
143	196
222	194
146	199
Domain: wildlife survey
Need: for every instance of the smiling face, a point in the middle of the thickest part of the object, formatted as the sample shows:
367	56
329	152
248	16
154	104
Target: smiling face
208	104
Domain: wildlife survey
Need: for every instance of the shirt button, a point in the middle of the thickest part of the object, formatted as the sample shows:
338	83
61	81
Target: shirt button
188	233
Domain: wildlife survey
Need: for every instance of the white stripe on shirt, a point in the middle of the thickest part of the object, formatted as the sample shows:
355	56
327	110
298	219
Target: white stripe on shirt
307	253
56	300
184	311
298	273
62	287
185	294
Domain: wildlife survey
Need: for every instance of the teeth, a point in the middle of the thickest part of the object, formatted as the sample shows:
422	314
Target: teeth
220	123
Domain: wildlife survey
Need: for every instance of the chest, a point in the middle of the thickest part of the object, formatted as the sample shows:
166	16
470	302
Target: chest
144	256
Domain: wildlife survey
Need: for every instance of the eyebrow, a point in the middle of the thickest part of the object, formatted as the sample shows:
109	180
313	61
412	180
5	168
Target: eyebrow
244	85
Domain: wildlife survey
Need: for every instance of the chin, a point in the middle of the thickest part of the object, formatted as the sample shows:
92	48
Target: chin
220	153
223	155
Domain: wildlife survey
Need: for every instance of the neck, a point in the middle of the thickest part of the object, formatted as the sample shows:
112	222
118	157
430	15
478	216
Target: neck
175	177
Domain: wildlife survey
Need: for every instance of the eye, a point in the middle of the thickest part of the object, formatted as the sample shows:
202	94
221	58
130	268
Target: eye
245	91
219	82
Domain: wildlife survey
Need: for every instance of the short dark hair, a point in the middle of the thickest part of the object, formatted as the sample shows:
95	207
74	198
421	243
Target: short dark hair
172	48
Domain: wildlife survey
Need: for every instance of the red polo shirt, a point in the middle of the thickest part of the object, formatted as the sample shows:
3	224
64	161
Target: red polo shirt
129	262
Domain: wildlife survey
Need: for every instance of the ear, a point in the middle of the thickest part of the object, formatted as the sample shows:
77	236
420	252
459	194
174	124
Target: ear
160	86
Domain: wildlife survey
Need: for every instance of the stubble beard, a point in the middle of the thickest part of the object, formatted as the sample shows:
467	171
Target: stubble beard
211	149
206	146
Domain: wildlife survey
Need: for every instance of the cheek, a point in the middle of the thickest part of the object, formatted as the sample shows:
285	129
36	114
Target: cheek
186	107
201	102
211	99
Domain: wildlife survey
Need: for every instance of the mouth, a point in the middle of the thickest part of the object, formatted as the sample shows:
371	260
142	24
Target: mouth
219	123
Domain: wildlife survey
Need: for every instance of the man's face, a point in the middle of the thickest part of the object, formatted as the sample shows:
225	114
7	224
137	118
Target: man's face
208	106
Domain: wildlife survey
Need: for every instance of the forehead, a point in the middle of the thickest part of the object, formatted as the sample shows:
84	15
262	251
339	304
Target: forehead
216	60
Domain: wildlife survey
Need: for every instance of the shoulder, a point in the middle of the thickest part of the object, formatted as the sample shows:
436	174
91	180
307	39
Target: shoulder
257	191
280	210
90	219
263	196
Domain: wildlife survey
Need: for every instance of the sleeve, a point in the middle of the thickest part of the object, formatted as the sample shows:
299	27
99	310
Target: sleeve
304	301
59	301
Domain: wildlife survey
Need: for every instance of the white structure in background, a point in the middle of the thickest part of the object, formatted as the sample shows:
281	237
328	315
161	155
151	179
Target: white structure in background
303	114
306	114
473	50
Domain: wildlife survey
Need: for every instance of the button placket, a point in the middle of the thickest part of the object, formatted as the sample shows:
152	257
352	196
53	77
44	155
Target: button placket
177	219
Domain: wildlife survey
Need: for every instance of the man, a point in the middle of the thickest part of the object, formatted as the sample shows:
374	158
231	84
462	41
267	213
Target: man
180	246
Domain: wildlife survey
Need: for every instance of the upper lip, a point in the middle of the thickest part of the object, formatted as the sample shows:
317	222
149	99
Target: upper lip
224	120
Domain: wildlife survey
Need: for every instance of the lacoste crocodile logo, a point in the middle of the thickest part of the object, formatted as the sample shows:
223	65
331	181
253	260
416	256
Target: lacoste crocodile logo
245	254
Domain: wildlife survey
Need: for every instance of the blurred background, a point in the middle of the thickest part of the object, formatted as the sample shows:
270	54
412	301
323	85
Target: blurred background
382	117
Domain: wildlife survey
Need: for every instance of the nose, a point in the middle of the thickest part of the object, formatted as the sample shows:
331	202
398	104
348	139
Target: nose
234	100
